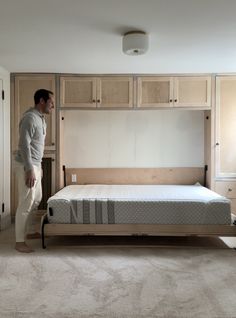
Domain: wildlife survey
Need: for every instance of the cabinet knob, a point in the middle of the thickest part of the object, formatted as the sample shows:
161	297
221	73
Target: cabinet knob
94	101
217	144
98	101
175	100
53	143
171	100
229	189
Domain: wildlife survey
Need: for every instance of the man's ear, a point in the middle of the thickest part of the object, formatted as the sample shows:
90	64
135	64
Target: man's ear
42	101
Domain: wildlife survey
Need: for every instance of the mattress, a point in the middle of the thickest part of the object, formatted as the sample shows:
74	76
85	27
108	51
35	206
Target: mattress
138	204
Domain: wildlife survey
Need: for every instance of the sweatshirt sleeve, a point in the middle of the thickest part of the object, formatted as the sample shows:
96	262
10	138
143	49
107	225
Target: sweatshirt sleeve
27	129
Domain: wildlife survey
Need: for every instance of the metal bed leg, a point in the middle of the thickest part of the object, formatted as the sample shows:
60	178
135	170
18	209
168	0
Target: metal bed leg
45	221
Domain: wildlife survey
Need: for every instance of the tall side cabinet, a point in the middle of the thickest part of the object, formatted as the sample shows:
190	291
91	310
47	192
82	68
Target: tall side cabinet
225	138
23	88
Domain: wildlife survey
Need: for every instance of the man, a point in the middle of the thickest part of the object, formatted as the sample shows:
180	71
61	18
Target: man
32	131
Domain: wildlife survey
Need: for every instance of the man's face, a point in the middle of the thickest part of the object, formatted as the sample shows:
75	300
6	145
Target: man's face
49	105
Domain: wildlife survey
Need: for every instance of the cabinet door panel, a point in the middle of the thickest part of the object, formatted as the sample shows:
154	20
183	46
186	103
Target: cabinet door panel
192	91
155	91
225	126
78	91
25	87
226	188
233	206
115	92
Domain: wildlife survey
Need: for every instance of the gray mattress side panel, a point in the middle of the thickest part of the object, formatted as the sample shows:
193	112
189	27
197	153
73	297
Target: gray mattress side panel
133	212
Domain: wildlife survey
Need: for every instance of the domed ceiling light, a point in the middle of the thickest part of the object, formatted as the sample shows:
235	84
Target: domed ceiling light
135	43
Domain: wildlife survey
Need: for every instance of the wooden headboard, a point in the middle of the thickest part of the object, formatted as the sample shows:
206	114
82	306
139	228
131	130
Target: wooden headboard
134	175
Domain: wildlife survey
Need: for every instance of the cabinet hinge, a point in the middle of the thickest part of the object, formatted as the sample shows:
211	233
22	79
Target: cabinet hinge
3	207
3	94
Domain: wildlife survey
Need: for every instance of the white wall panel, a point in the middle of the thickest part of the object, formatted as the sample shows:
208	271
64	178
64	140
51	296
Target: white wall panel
148	138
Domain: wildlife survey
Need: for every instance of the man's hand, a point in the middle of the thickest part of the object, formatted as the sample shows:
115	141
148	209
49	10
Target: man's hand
30	178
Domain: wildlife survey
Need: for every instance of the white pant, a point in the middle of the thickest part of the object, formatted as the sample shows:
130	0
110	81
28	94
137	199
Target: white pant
28	200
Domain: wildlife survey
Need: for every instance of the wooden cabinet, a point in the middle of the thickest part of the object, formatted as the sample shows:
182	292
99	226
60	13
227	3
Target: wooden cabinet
225	149
184	91
228	190
24	89
154	92
102	92
115	92
78	91
233	206
150	92
192	91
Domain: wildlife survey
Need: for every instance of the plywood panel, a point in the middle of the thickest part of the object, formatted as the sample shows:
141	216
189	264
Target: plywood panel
155	91
139	229
225	126
135	176
226	188
146	138
115	92
78	91
192	91
25	87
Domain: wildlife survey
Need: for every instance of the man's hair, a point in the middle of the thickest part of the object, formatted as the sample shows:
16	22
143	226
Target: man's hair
42	93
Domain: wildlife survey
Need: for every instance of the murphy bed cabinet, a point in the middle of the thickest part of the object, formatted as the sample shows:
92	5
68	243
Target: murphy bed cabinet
96	92
225	145
183	91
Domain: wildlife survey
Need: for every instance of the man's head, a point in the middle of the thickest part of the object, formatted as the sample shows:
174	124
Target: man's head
44	101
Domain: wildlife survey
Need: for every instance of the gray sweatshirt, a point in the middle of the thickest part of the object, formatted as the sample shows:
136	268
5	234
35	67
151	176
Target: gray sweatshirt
32	130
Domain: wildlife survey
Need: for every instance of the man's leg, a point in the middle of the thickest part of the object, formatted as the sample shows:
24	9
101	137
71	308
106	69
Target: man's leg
26	201
31	230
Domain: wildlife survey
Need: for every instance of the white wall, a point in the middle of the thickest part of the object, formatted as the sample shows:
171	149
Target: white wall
157	138
5	218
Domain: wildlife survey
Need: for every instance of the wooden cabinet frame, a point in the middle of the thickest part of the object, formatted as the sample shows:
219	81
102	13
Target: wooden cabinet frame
130	81
217	145
16	109
141	79
63	103
197	104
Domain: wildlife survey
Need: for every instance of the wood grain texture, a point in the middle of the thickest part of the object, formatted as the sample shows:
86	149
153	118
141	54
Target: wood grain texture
77	91
192	91
115	92
155	91
135	175
139	229
24	89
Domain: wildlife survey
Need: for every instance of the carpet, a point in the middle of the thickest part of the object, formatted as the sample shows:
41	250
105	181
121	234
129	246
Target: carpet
117	281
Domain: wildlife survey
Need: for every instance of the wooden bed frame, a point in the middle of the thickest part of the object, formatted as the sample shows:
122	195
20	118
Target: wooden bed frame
134	176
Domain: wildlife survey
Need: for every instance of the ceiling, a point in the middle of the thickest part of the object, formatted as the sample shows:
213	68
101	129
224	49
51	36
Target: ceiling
85	36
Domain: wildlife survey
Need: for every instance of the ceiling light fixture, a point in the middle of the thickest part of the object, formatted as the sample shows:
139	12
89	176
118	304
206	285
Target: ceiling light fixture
135	43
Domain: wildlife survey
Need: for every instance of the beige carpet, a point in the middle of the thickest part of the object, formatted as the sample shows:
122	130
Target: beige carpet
92	280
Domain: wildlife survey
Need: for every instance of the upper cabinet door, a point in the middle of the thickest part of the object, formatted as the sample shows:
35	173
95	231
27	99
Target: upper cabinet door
192	91
115	92
155	91
78	91
24	89
225	150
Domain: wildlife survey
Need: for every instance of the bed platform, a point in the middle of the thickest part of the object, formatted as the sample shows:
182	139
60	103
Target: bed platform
103	204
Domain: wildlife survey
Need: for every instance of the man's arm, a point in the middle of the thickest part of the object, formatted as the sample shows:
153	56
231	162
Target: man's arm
27	129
